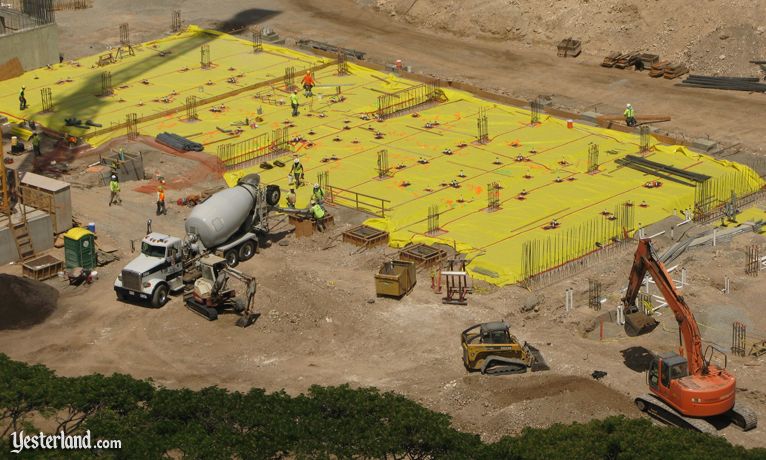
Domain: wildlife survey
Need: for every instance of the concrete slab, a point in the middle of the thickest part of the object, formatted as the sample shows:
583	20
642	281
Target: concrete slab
705	145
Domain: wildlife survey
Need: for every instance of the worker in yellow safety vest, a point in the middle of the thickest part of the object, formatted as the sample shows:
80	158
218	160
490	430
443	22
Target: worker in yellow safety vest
318	194
114	189
297	172
630	115
294	102
318	214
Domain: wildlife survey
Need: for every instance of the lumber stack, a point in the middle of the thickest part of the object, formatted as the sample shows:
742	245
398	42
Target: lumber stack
657	70
729	83
675	70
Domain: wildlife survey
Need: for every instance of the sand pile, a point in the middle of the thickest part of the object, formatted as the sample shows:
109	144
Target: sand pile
25	302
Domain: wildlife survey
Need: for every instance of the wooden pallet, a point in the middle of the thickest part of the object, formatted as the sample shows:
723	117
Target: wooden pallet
365	236
658	69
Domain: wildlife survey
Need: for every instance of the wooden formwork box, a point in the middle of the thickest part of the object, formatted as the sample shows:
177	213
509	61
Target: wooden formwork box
307	226
49	195
42	268
396	278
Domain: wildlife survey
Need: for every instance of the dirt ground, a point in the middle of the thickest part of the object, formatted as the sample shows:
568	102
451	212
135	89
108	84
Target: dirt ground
321	322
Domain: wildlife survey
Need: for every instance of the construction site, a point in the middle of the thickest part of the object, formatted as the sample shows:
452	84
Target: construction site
513	228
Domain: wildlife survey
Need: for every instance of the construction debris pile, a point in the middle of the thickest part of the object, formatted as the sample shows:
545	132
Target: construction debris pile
25	302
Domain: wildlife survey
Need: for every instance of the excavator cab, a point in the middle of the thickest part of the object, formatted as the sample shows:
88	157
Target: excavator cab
664	368
213	295
492	349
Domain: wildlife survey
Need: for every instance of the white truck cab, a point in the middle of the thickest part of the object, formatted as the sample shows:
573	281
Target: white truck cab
157	271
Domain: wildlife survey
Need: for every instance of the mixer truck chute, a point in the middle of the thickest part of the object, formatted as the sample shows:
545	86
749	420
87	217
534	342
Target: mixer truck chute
227	224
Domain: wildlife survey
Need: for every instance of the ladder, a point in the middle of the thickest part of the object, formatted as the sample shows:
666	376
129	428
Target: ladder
20	231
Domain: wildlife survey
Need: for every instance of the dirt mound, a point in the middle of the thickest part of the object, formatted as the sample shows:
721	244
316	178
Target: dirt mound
25	302
709	37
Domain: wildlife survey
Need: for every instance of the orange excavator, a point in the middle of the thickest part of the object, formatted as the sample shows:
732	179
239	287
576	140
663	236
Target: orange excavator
684	389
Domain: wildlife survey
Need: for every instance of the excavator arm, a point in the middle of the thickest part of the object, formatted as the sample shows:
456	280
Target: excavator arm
248	317
646	260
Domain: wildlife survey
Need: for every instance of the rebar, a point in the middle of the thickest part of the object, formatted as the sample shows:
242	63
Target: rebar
175	21
537	108
738	338
433	219
260	148
342	63
594	294
257	39
753	267
124	34
408	99
382	165
592	158
644	139
289	79
204	59
47	99
191	108
131	124
106	83
493	196
482	127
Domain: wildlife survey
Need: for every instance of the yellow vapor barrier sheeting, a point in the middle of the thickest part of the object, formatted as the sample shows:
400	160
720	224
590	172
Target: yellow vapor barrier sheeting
551	151
336	123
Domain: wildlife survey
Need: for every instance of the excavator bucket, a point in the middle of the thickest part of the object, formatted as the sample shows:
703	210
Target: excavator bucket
247	319
639	323
538	362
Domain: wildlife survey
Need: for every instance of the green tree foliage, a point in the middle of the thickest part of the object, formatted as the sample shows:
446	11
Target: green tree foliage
326	422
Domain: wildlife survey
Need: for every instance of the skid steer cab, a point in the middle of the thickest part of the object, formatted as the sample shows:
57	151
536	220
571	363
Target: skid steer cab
155	273
491	349
213	293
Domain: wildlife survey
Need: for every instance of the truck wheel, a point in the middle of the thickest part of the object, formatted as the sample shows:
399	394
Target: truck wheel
160	295
246	250
120	296
273	193
232	259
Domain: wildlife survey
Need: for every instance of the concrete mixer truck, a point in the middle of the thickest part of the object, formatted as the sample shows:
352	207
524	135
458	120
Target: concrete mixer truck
226	224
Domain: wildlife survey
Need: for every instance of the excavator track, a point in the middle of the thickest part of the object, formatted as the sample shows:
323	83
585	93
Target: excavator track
743	416
661	411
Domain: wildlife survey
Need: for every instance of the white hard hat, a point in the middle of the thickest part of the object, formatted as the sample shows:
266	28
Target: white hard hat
297	160
316	185
628	105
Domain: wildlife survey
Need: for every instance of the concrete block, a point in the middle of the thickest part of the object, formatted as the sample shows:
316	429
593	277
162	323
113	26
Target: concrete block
705	145
590	116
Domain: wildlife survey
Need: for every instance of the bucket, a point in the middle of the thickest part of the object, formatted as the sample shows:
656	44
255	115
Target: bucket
91	227
570	124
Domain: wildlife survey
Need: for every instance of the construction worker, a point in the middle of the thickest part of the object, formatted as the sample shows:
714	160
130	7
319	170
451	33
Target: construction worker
294	102
308	83
630	115
318	214
291	198
161	199
318	194
36	144
297	172
114	188
22	99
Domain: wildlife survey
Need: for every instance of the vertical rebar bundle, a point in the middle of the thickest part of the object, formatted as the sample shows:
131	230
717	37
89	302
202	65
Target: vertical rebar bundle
594	294
106	83
537	108
257	39
323	179
175	21
433	219
738	338
753	267
644	132
342	64
47	99
592	158
493	196
712	195
131	123
482	127
124	34
256	149
407	99
191	108
40	10
289	78
204	56
383	168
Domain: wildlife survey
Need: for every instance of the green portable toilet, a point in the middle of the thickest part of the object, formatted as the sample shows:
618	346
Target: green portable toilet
80	248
